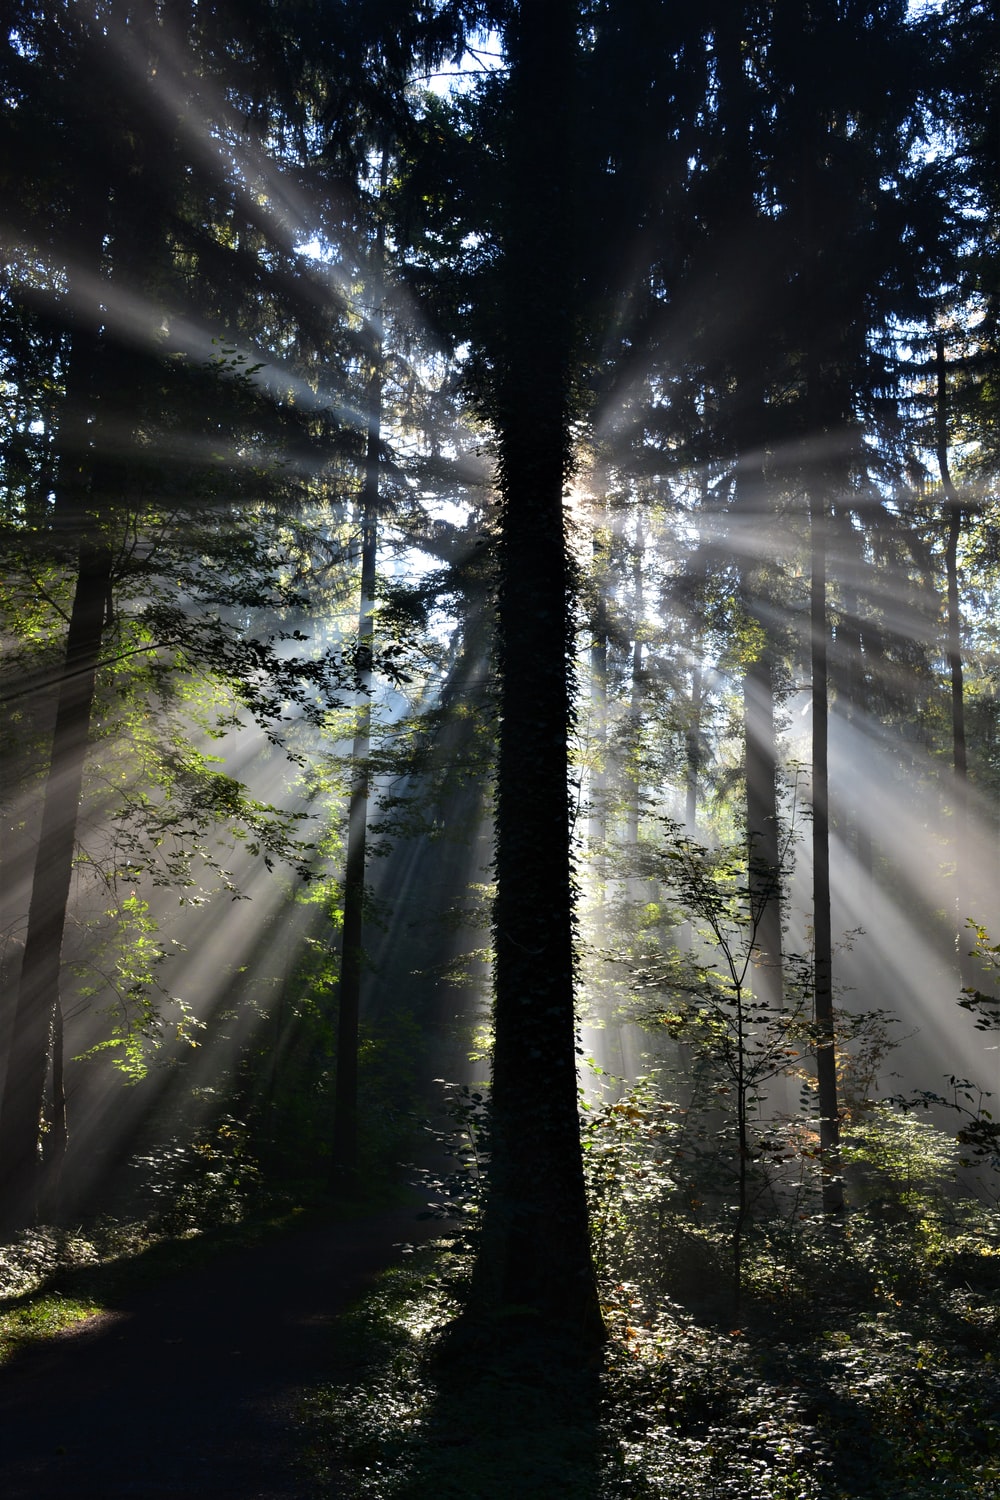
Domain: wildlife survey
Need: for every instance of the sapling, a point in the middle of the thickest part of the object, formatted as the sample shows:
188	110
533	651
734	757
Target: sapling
744	1040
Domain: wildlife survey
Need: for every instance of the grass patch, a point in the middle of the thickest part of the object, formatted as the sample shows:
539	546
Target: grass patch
40	1319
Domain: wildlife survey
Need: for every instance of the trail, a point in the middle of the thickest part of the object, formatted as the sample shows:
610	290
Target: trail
189	1388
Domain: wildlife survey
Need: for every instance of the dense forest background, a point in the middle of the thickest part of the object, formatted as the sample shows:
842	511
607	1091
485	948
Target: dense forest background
500	531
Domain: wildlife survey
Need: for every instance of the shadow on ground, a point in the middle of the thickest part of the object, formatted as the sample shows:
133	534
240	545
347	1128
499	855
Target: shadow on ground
191	1387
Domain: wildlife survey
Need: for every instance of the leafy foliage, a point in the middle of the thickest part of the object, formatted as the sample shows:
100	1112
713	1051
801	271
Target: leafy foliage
208	1179
843	1380
464	1143
424	1422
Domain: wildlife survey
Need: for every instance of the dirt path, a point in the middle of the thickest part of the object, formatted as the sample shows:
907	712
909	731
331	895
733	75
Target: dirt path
189	1389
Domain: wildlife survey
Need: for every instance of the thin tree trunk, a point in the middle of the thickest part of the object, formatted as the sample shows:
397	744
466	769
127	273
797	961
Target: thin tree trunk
760	739
597	826
633	775
960	764
826	1056
56	1139
692	753
851	649
752	509
37	998
763	846
345	1105
38	991
743	1151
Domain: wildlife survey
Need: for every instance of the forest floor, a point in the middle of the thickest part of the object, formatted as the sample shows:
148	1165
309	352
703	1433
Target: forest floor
190	1385
258	1362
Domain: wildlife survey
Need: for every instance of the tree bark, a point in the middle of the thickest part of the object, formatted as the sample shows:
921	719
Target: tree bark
345	1104
535	1250
345	1108
37	999
852	648
84	501
762	826
960	763
633	774
826	1055
692	754
763	844
38	991
597	823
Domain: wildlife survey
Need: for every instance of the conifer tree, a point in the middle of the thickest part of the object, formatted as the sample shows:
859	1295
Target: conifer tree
536	1250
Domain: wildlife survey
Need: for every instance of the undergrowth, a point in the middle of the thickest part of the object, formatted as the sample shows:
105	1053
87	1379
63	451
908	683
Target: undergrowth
190	1197
409	1417
880	1383
858	1362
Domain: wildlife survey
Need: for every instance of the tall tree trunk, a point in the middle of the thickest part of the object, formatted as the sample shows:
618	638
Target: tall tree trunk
36	1021
851	649
763	844
826	408
633	775
597	823
535	1247
692	754
760	739
345	1104
109	201
960	764
55	1141
751	420
826	1054
38	991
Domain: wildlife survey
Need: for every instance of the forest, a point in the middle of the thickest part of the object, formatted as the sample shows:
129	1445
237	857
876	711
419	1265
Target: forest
500	514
